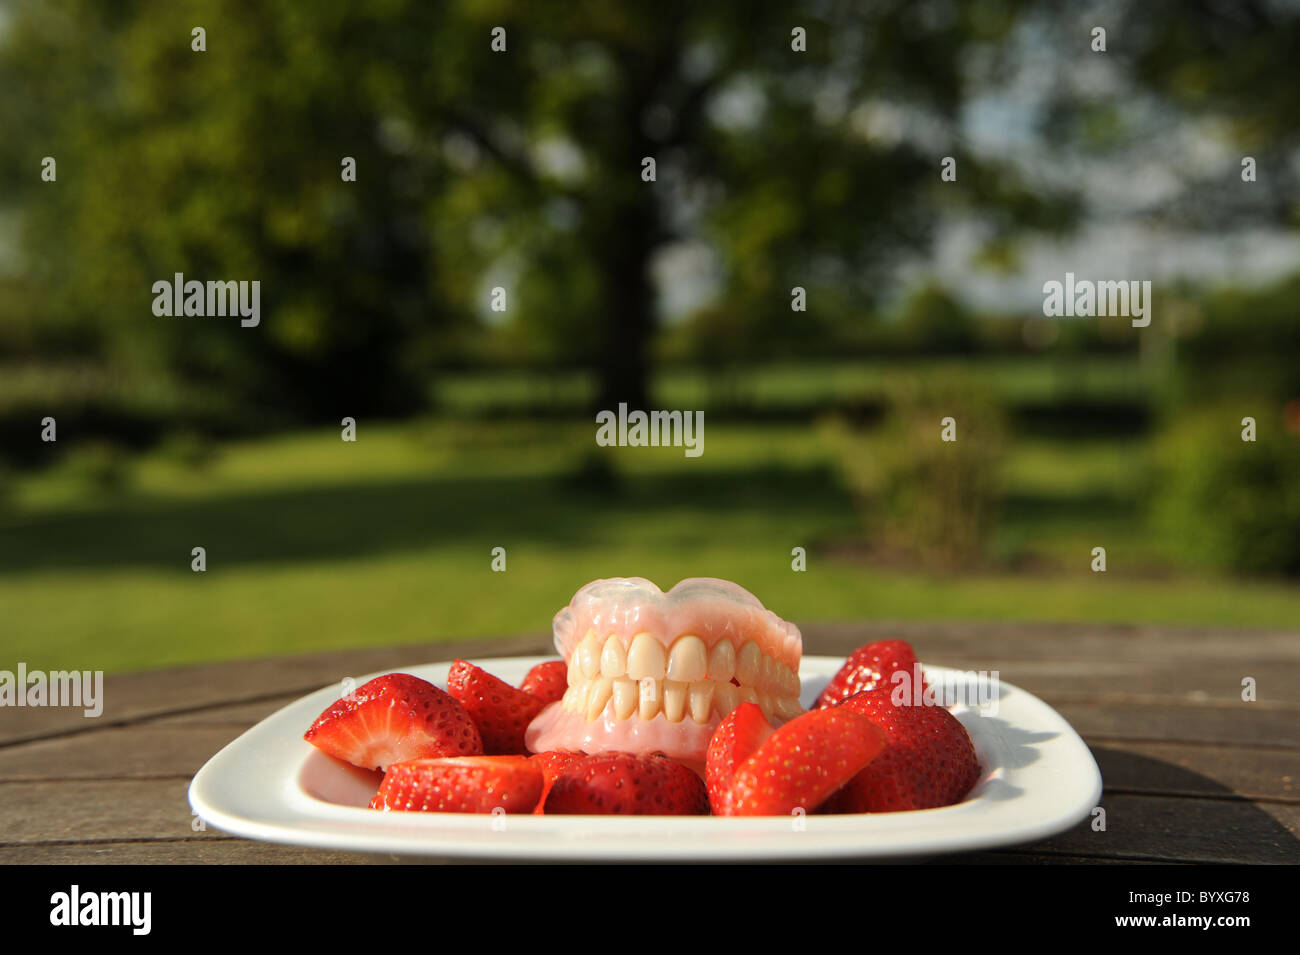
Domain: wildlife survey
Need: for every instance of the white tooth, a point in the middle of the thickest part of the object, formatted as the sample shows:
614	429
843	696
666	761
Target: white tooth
651	692
613	659
701	695
767	674
689	660
625	697
747	694
645	658
589	655
749	663
566	701
601	688
787	708
789	682
675	700
580	696
765	704
722	662
575	668
725	698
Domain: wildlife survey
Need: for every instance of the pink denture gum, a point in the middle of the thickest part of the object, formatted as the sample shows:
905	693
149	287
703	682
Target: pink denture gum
652	671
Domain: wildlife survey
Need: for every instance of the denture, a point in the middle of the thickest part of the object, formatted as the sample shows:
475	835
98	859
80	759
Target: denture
652	671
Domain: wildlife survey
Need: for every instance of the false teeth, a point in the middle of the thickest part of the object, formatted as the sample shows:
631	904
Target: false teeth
656	670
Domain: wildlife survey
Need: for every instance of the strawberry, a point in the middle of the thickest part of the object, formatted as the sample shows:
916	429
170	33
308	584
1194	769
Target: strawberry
552	764
501	712
866	668
628	784
461	784
929	761
802	763
394	718
740	733
547	681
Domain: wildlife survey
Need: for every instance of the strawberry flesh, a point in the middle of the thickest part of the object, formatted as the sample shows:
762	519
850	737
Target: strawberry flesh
393	718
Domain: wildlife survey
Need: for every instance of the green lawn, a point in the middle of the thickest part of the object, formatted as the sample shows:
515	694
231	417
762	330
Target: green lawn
315	544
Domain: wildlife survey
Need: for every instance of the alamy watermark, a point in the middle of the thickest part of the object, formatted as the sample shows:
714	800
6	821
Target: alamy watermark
83	688
1088	299
179	297
75	907
977	689
653	429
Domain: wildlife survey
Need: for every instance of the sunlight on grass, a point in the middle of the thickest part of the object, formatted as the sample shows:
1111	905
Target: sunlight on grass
315	544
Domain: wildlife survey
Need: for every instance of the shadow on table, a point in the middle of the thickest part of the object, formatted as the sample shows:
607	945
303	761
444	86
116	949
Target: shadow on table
1157	811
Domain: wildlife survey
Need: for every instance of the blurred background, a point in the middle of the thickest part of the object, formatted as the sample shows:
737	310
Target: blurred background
522	170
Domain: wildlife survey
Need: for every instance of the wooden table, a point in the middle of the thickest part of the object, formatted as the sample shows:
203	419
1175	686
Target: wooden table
1192	772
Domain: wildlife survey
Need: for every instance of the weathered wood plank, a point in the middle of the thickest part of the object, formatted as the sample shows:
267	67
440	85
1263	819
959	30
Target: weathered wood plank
134	696
149	750
935	640
1179	769
91	810
202	851
1107	721
1193	683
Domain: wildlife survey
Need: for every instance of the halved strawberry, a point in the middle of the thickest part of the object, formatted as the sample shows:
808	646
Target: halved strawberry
741	732
868	667
394	718
628	784
929	761
461	784
552	764
547	681
802	763
500	711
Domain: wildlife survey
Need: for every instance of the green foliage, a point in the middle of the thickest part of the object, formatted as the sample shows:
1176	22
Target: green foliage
934	322
1240	342
1231	503
929	499
473	169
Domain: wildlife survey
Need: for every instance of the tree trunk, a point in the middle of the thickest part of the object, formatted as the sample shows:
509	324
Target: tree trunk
624	250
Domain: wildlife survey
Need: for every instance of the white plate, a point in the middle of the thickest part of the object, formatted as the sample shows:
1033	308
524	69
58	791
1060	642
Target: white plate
1038	779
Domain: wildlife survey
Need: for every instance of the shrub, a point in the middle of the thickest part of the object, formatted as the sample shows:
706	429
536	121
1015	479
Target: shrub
936	501
1227	502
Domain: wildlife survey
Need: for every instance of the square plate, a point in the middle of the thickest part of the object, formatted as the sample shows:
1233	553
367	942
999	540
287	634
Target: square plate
1038	778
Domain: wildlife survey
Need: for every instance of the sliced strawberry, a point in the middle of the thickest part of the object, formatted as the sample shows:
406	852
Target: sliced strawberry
803	762
461	784
394	718
929	761
552	764
547	681
868	667
501	712
741	732
628	784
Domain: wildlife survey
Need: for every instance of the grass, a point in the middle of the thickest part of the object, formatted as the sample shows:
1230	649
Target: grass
313	543
785	385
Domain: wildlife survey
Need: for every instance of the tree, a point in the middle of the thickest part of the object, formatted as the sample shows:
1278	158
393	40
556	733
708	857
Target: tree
803	142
